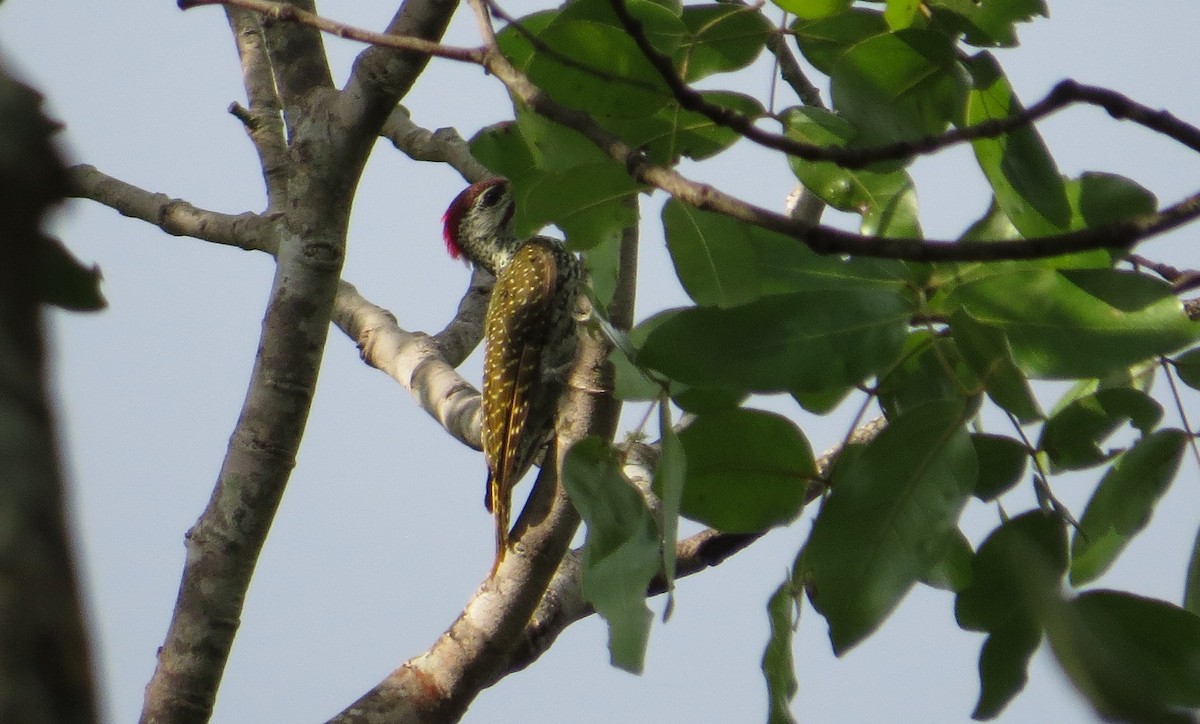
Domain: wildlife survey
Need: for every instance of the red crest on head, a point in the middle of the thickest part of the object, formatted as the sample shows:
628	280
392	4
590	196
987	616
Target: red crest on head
458	208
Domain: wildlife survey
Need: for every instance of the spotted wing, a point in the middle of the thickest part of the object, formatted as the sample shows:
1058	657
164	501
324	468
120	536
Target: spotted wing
515	333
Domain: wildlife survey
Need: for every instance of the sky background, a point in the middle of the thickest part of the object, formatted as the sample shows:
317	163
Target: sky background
381	537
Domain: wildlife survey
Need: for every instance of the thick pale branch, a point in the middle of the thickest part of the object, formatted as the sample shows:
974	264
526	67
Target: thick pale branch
223	546
414	360
439	684
248	230
381	76
264	119
424	365
298	61
442	146
465	331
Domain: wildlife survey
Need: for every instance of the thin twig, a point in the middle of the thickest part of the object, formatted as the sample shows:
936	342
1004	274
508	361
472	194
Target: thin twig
1178	400
1064	94
286	13
1181	280
1120	235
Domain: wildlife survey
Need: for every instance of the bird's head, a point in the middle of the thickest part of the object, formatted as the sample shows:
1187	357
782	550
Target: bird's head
478	224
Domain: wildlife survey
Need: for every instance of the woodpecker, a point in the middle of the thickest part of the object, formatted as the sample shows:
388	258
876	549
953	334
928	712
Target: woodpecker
530	335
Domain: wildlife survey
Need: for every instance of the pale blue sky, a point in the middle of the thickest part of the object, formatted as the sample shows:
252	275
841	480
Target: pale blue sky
381	537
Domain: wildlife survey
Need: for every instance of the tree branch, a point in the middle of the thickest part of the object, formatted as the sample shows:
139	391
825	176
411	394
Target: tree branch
413	359
792	73
441	146
1181	280
223	546
1064	94
439	684
1119	235
564	605
276	10
423	365
264	119
465	331
382	76
177	217
328	147
298	61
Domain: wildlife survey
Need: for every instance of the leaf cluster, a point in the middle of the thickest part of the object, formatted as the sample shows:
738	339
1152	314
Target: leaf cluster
943	350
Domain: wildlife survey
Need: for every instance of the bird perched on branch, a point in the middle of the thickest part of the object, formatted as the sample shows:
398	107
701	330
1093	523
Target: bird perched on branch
530	336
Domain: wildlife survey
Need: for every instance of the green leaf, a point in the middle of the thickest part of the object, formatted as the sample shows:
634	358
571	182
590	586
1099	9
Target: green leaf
747	470
787	265
555	148
1191	591
707	399
1027	184
1133	657
721	39
804	341
813	9
901	13
516	45
1187	365
503	149
602	263
1003	665
591	204
988	354
821	402
986	23
712	255
952	572
63	280
670	475
899	86
630	381
1002	462
930	369
1015	570
1071	437
581	191
992	226
1123	502
1105	198
783	613
1015	579
883	196
1077	322
823	41
885	523
598	68
621	553
659	18
673	132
